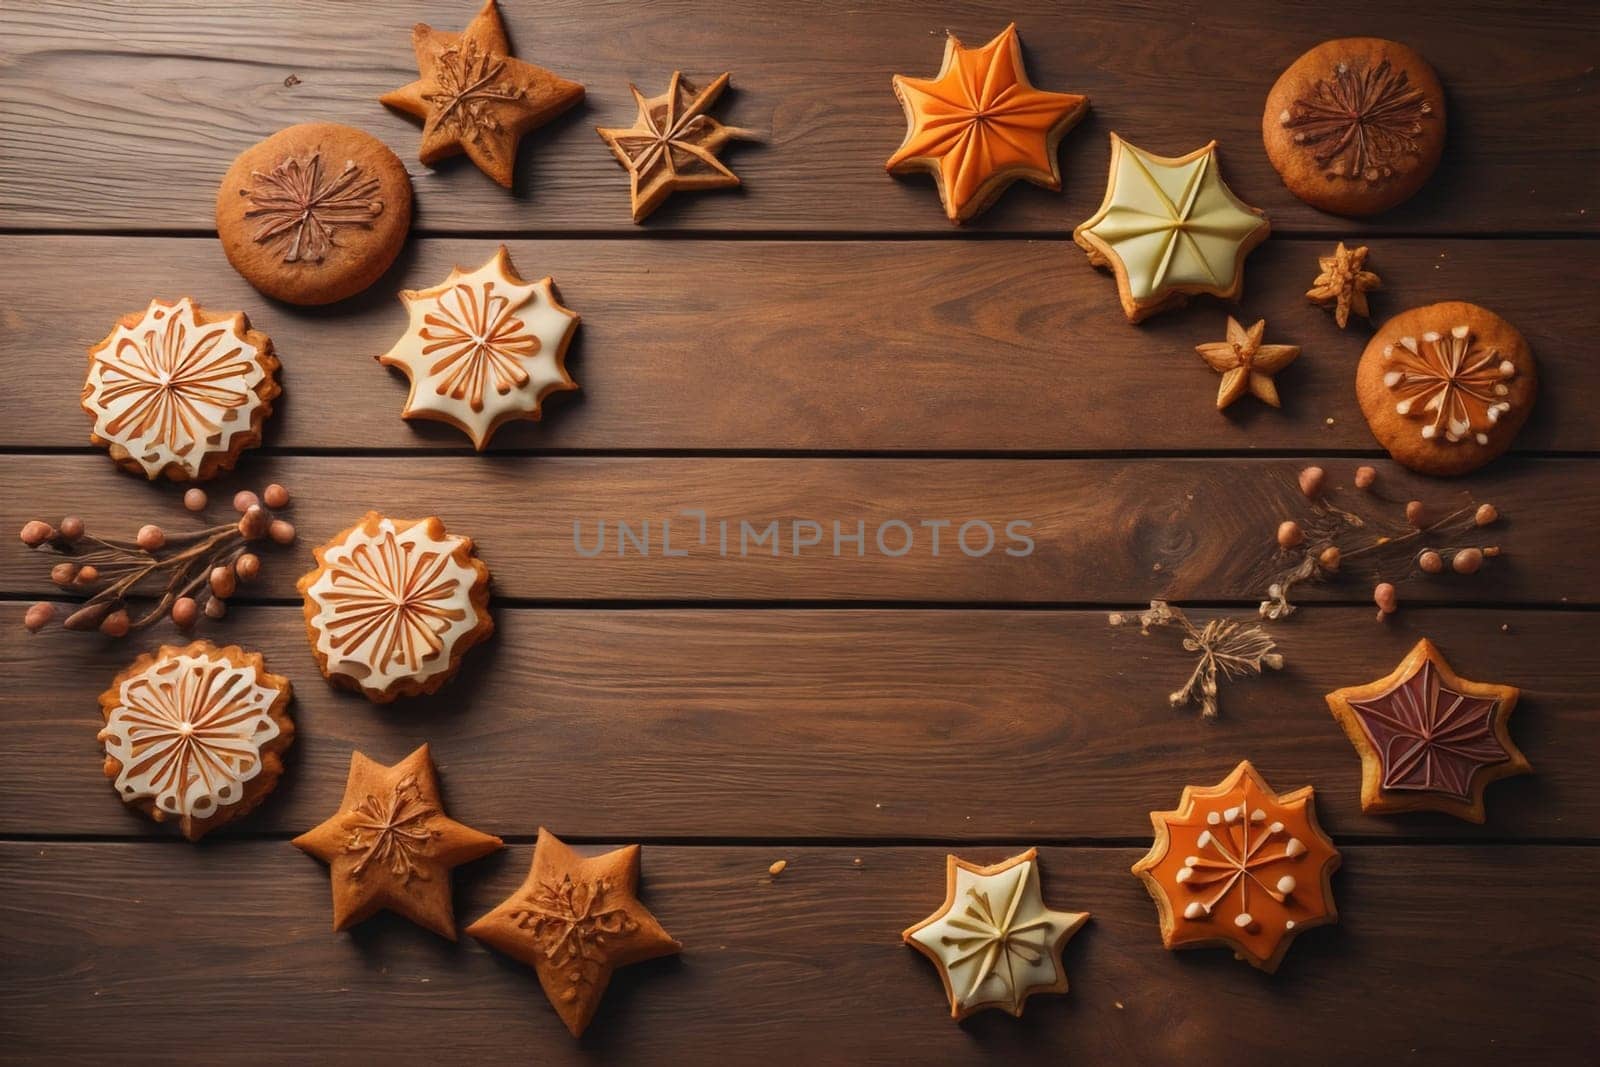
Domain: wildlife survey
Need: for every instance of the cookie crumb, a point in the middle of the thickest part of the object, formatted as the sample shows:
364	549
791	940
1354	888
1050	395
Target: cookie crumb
291	81
1505	627
1328	421
777	868
1118	1003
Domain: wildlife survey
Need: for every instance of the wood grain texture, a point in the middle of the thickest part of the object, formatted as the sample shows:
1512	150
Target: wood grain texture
997	346
1103	531
806	968
673	725
125	115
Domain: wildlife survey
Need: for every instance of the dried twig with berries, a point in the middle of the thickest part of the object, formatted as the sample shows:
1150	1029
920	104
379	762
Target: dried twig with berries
1348	532
1226	648
202	569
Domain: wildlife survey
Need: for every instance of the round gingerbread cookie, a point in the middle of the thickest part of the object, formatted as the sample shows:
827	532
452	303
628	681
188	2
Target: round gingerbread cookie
314	213
1446	387
1356	125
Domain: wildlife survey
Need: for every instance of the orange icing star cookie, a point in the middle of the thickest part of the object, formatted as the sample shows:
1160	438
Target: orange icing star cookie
1238	866
391	846
1429	740
575	920
393	605
483	348
979	125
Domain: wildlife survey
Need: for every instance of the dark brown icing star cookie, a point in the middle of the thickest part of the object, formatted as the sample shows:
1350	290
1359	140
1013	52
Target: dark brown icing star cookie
1356	125
314	213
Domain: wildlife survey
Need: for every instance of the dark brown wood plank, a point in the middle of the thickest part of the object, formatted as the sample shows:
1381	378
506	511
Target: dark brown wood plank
835	724
129	953
938	346
1114	531
126	115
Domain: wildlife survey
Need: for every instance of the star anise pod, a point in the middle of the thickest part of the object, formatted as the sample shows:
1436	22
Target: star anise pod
1344	283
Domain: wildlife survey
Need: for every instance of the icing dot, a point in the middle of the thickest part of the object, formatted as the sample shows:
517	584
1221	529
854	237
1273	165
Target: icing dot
1258	816
1403	408
1185	874
1428	432
1232	813
1458	331
1213	818
1276	827
1243	920
1289	925
1507	368
1431	336
1194	911
1294	847
1286	884
1204	840
1392	378
1483	438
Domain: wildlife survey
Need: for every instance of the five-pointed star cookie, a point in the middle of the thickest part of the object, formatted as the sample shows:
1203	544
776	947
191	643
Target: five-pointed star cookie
980	125
1169	228
390	845
1428	738
993	940
1247	365
483	347
1344	283
1236	865
672	145
575	920
473	97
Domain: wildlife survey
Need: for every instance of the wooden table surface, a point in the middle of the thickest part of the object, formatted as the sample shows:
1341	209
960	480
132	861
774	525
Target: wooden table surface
823	345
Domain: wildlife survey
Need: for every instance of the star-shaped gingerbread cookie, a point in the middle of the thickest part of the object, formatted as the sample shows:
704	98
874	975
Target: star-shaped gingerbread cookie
1429	739
483	347
979	125
993	940
672	145
1238	866
1344	283
575	920
1247	365
391	846
474	97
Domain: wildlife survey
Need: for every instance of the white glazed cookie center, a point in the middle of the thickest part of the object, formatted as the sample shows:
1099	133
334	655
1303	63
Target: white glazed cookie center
1457	386
172	391
391	606
188	732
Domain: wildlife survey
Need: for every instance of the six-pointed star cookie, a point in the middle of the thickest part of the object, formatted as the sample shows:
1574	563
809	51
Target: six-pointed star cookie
390	845
483	347
672	145
1344	283
1428	738
980	125
993	940
473	97
1236	865
575	920
1247	365
1169	228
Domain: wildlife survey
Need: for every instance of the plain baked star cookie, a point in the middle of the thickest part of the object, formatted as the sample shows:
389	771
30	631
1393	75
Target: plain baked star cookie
1246	364
393	605
1169	228
1429	740
179	391
979	125
483	347
993	940
391	846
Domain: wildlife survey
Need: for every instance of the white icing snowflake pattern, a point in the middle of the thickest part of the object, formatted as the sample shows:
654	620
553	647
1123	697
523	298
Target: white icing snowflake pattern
1242	851
1460	383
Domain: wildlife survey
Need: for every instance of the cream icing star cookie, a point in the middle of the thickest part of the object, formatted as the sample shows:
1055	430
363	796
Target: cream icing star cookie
1170	228
483	348
394	604
993	940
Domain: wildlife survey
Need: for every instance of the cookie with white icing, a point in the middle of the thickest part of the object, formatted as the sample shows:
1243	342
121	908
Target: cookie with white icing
1446	387
482	348
393	605
993	940
179	391
196	734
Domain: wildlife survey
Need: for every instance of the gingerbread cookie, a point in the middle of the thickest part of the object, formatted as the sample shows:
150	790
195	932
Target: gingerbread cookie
993	940
314	213
196	734
393	605
1246	364
672	145
979	125
179	391
474	97
1446	387
1429	739
391	846
1356	125
1238	866
575	920
483	348
1169	228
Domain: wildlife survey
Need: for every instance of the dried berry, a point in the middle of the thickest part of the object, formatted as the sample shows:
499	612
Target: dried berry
244	500
88	573
71	528
1311	482
184	612
222	581
1431	562
275	496
1328	559
36	533
1467	561
39	615
1383	595
1365	476
247	566
1290	534
195	499
1485	514
253	524
281	531
151	537
116	624
1416	514
216	608
64	573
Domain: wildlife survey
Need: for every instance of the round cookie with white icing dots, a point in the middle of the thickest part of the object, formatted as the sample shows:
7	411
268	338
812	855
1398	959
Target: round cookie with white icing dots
394	604
1446	387
179	391
314	213
196	734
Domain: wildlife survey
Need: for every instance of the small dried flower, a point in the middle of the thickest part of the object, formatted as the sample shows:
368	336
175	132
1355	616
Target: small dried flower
185	611
71	528
1224	646
1365	476
151	537
1431	562
1290	534
1485	514
275	496
36	533
195	499
1383	595
1311	482
1467	561
39	615
244	500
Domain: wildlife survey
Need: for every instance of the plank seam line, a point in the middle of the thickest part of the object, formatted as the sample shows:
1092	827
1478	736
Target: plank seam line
841	843
950	455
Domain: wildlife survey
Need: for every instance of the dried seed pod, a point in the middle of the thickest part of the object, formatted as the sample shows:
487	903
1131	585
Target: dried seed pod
275	496
244	500
1416	514
116	624
91	615
195	499
36	533
1485	514
282	531
71	528
1467	561
1365	476
222	581
184	612
247	566
39	615
1290	534
1431	562
1328	559
1383	595
1311	482
151	537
